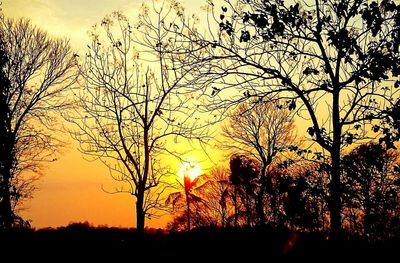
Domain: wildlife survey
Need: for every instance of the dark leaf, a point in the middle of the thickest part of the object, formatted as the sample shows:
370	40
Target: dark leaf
245	36
397	84
311	131
375	128
349	138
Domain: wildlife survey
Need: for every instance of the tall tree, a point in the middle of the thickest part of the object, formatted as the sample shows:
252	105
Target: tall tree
337	61
36	72
130	109
263	131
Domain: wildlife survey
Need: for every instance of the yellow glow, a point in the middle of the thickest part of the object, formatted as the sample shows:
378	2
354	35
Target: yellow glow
190	169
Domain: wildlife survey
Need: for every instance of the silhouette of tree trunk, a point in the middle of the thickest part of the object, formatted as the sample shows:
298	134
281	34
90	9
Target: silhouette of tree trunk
187	210
236	206
36	73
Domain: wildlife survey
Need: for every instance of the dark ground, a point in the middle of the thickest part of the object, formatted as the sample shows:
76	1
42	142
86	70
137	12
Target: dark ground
78	242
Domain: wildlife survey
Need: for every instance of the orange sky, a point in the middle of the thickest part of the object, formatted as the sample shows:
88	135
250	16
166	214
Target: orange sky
70	190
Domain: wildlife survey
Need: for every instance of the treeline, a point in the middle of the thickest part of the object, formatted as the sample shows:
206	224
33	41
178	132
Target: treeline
296	196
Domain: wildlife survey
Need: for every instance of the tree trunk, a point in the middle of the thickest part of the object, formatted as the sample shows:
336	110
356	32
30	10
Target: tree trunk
223	218
260	210
260	196
140	214
6	157
274	208
335	188
236	219
335	202
6	162
248	211
367	216
6	213
188	210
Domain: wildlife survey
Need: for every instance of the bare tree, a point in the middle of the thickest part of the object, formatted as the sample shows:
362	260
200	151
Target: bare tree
336	60
217	195
264	131
131	110
38	71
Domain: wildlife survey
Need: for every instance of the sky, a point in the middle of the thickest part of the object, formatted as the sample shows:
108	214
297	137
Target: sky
70	189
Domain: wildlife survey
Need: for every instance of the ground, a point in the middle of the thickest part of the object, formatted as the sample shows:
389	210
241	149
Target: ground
78	242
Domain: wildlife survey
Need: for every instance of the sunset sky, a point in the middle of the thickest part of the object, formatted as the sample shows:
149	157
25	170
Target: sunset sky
71	188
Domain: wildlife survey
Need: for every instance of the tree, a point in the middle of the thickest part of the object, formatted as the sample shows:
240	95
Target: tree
336	60
190	196
371	181
263	131
129	110
36	73
217	195
302	196
244	173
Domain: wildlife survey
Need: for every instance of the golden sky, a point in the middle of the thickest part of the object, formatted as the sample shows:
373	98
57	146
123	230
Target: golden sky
70	190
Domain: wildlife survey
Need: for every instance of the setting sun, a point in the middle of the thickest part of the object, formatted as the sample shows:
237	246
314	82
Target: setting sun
190	169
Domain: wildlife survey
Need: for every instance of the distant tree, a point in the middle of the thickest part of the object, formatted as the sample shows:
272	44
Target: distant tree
371	181
263	131
336	60
36	72
129	110
188	199
217	195
302	196
244	174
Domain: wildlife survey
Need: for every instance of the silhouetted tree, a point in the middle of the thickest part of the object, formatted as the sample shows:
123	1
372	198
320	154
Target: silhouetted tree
128	110
217	195
36	71
371	182
302	191
188	199
336	60
244	174
263	131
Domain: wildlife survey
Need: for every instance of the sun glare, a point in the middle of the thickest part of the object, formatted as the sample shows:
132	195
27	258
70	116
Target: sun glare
190	169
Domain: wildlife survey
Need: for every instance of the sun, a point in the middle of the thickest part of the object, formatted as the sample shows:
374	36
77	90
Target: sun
190	169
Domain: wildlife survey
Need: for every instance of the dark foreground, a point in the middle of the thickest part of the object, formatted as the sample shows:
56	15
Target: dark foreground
77	243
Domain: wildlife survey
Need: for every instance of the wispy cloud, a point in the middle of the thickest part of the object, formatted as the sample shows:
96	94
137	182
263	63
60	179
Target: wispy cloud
68	18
